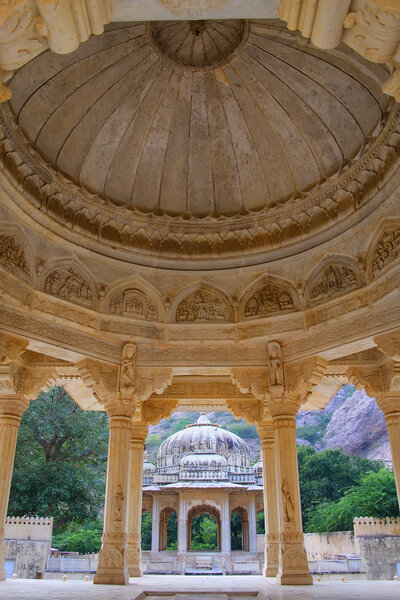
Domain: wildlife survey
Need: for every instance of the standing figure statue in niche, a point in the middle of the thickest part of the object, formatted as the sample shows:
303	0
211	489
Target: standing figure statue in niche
288	504
127	379
275	363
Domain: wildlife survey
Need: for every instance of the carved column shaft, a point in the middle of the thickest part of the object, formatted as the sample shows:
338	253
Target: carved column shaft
11	410
155	526
134	509
293	564
270	503
112	567
252	526
225	525
390	405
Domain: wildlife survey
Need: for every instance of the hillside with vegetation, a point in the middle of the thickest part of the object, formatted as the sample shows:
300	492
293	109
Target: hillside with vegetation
61	461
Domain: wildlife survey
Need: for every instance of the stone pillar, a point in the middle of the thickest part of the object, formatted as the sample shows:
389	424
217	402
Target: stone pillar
293	564
183	532
252	526
134	509
11	410
112	568
155	525
390	405
225	526
163	530
266	433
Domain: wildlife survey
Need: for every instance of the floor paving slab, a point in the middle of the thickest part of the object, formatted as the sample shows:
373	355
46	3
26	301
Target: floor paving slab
207	587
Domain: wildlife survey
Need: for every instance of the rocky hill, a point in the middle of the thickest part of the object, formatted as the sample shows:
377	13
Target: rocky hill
351	422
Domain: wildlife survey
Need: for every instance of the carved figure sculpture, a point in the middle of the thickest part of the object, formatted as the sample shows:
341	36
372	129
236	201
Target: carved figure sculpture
201	306
288	504
334	280
12	256
67	283
275	363
127	380
119	499
387	251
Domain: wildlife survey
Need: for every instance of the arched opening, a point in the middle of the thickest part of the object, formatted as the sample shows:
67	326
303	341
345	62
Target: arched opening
146	530
239	529
168	529
204	529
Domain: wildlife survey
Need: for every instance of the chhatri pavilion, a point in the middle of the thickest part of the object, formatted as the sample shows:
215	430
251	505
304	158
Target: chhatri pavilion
199	211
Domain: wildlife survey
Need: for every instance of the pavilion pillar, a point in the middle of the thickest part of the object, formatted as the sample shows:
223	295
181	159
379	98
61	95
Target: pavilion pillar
272	537
112	567
183	531
225	526
293	564
134	509
390	405
155	525
252	545
11	410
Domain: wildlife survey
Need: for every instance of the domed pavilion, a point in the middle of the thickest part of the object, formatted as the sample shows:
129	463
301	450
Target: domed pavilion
199	211
203	469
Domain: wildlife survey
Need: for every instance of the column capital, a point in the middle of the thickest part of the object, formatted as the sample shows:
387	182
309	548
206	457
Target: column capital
380	381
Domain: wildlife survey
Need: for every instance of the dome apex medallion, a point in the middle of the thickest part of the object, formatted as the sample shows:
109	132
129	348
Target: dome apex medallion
197	45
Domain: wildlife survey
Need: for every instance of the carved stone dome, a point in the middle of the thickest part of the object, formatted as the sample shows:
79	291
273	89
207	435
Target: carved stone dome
197	139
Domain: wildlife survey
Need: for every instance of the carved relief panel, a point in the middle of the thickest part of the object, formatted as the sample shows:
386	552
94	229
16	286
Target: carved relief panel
12	256
387	250
268	299
133	303
334	280
68	283
201	306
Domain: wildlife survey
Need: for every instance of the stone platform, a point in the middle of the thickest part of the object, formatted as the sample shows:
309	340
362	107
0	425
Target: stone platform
172	587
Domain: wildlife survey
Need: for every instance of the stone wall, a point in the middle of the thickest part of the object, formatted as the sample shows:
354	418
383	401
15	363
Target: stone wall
379	555
320	545
27	541
366	526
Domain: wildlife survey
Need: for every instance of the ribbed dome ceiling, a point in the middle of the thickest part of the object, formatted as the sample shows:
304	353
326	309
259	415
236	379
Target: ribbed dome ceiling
135	118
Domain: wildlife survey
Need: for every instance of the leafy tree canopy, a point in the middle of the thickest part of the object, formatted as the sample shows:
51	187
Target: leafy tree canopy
60	461
374	496
325	476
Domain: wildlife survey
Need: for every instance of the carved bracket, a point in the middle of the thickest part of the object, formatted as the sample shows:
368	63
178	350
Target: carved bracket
370	27
151	381
254	381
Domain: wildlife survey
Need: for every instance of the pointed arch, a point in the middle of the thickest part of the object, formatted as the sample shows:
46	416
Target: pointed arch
16	254
68	279
384	249
134	298
334	276
268	295
201	302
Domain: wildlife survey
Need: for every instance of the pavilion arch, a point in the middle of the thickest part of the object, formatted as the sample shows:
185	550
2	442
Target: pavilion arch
200	509
16	255
244	518
268	295
165	514
68	279
136	298
384	249
334	276
200	302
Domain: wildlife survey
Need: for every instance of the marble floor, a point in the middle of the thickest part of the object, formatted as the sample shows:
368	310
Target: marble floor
204	587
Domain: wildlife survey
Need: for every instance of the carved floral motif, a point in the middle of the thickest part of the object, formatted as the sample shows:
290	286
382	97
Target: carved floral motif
67	283
335	279
387	251
133	303
202	305
266	300
12	256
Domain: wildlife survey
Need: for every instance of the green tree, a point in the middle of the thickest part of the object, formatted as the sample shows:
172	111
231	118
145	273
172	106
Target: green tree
260	522
236	531
204	532
325	476
172	531
60	461
374	496
146	530
84	538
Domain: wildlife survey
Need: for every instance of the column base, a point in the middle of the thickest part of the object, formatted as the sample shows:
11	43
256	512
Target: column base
111	577
270	571
135	571
294	579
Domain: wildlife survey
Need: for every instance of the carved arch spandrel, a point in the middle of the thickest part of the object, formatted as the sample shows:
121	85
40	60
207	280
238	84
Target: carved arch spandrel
268	295
201	303
69	280
384	250
134	298
15	253
334	276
